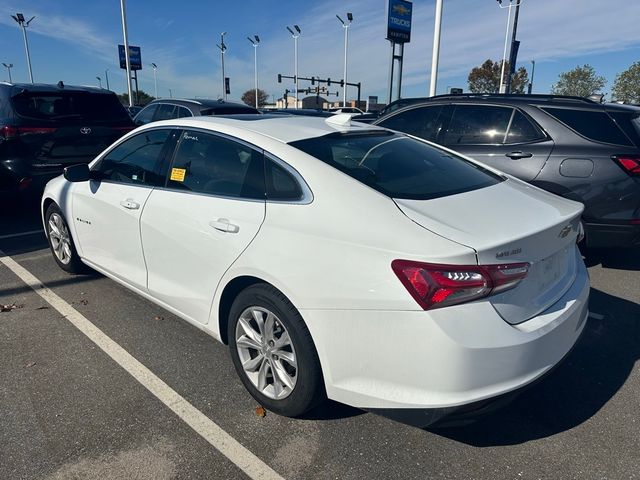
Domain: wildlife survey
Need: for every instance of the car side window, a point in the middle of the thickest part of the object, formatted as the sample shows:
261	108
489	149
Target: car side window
477	125
215	165
146	114
182	112
280	184
522	130
165	112
597	126
423	122
135	161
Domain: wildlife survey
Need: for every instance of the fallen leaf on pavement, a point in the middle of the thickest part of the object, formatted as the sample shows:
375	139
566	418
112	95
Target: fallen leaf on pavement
261	412
158	317
43	308
8	308
29	365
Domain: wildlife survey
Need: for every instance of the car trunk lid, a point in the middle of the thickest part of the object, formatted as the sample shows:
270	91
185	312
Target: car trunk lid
510	222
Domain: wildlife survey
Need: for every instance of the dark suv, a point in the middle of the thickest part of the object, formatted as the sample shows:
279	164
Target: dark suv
571	146
44	128
168	108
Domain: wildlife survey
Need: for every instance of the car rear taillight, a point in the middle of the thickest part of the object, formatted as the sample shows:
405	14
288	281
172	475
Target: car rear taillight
8	131
629	163
435	285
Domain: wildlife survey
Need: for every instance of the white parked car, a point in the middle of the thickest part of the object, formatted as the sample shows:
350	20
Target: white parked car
336	260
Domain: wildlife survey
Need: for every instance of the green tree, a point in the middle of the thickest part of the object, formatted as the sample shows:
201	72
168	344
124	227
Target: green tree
249	97
580	82
486	78
626	86
143	98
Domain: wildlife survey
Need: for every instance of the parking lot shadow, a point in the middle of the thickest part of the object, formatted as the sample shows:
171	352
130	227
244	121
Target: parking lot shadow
591	375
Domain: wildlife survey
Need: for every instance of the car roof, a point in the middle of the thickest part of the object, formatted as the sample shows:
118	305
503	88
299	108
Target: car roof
51	88
283	128
202	102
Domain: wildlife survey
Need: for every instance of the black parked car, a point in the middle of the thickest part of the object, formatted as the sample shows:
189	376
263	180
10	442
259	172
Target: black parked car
571	146
168	108
44	128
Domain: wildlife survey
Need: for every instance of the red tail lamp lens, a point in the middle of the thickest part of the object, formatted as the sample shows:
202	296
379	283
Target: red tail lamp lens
629	163
437	285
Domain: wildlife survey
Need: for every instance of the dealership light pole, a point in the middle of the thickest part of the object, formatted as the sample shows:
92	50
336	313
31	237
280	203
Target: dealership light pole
155	79
19	18
503	84
255	42
346	26
295	36
435	55
126	51
99	82
8	66
223	48
533	71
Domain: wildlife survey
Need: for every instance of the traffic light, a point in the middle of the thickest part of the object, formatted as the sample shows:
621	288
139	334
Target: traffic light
313	80
328	81
342	83
227	87
279	78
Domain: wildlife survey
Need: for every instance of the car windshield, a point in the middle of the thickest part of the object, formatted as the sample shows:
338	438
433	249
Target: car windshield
70	107
398	166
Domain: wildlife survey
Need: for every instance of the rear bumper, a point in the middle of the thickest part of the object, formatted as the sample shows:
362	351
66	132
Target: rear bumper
441	361
599	235
16	177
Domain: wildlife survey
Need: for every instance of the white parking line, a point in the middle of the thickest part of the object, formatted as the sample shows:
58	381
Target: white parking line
21	234
205	427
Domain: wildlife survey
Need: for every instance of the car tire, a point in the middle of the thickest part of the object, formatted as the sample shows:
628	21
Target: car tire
273	352
60	241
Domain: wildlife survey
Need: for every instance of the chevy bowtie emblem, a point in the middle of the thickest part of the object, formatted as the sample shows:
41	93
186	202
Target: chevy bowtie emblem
85	130
565	231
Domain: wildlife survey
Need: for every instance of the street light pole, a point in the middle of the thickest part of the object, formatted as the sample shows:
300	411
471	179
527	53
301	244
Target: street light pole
506	40
99	82
514	49
19	18
533	71
295	36
435	55
346	26
223	48
155	79
255	43
126	51
106	77
8	66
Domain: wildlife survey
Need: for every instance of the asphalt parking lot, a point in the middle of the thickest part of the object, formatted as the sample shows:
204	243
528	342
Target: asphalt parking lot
71	411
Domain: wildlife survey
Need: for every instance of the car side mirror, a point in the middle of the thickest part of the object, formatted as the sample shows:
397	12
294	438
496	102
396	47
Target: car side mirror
77	173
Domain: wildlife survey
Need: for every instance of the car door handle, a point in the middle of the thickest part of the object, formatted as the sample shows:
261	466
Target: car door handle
223	225
519	155
130	204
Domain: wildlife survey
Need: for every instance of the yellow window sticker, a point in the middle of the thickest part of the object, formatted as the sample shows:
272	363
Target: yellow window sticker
177	174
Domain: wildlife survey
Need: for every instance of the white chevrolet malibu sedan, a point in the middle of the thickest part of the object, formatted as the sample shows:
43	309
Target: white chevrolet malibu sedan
335	259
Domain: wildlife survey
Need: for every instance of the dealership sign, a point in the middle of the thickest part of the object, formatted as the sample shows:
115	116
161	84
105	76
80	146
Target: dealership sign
399	21
135	57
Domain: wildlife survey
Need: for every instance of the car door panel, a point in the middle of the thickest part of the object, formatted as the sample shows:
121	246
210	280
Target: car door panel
193	230
107	210
109	232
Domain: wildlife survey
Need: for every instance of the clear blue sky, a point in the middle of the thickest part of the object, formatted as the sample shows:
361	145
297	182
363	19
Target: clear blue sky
76	41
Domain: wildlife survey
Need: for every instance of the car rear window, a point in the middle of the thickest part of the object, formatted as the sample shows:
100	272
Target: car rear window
596	126
70	107
398	166
629	122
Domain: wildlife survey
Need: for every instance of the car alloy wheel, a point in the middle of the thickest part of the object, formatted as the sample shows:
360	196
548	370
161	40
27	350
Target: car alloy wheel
266	352
59	237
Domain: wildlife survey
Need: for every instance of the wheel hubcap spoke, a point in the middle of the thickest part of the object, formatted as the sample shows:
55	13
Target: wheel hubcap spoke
60	240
